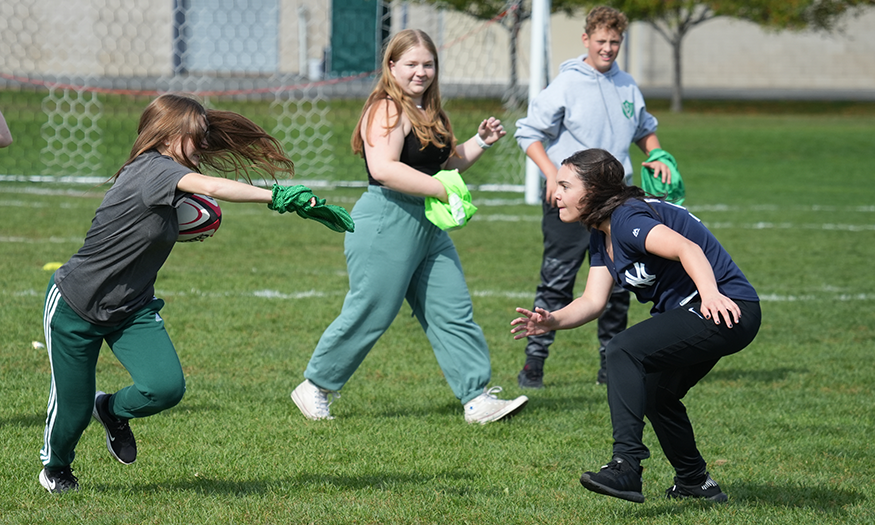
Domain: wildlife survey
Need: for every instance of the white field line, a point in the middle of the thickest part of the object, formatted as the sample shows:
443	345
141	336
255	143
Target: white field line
314	184
516	218
829	294
490	217
97	192
42	240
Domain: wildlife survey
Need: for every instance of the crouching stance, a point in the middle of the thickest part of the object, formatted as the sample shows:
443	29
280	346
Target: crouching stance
703	309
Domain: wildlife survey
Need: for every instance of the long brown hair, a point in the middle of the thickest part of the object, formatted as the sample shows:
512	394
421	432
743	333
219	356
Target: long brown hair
602	176
432	127
234	144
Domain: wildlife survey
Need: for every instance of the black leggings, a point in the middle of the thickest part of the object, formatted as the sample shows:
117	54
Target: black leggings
653	364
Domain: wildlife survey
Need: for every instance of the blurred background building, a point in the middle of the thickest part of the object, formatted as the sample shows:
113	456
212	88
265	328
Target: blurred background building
68	64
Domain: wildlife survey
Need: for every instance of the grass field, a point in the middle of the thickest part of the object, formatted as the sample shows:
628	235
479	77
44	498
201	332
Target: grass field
786	424
117	125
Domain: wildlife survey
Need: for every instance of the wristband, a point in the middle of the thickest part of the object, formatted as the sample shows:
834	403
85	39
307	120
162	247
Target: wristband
482	143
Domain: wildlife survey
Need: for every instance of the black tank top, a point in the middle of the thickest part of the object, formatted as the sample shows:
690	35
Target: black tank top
428	160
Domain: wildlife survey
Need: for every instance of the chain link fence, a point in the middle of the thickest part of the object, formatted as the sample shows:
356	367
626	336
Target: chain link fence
75	76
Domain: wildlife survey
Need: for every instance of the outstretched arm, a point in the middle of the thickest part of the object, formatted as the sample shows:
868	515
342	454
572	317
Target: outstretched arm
226	190
669	244
223	189
582	310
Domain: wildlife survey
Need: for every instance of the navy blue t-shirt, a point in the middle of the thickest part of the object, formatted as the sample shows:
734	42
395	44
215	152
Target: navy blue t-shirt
653	278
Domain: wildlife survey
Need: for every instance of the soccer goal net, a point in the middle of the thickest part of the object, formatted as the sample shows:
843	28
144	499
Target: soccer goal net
76	74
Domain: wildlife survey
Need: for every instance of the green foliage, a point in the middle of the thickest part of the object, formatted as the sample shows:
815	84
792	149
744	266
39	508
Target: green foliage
818	15
785	424
489	9
779	14
673	19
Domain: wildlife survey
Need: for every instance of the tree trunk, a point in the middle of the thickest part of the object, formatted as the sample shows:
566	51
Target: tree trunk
677	97
516	23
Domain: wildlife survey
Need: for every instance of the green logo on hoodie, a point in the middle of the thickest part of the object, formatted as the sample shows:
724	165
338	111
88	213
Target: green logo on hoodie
628	109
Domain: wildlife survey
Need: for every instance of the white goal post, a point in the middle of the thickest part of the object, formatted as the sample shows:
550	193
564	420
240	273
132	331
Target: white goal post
538	77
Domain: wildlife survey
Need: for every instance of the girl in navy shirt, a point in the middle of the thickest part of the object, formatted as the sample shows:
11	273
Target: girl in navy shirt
703	309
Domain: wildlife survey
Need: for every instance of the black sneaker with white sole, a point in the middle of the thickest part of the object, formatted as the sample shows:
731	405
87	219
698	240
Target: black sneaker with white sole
119	438
618	479
708	490
59	481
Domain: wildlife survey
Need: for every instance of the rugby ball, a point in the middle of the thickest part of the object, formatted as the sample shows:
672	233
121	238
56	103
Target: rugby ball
199	217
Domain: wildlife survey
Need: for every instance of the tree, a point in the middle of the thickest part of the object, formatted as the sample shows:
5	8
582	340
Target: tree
673	19
514	12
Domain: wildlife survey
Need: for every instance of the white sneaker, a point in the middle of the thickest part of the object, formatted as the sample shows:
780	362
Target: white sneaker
313	401
487	408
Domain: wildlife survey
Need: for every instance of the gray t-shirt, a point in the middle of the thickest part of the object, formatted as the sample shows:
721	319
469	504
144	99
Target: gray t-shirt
131	236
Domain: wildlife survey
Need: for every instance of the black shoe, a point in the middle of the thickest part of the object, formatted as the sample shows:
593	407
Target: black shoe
618	479
59	481
119	438
708	490
531	376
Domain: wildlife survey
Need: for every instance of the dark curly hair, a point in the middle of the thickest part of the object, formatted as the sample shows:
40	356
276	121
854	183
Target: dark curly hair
603	179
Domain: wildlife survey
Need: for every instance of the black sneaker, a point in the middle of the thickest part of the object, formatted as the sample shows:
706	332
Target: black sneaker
708	490
119	438
618	479
59	481
531	376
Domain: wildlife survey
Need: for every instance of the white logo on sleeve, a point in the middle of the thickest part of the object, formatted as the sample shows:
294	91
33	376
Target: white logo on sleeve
636	231
642	278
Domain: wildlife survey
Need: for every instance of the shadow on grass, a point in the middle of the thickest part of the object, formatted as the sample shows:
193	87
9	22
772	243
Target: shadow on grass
38	420
772	375
822	500
454	483
827	500
565	404
822	497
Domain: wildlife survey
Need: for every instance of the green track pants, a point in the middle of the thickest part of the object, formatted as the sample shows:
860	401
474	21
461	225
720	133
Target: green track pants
141	345
397	254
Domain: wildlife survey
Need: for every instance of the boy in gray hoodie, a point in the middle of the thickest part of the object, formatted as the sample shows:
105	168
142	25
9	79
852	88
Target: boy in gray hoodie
590	104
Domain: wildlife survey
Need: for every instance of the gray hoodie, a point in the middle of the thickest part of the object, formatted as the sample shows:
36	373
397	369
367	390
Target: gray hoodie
584	109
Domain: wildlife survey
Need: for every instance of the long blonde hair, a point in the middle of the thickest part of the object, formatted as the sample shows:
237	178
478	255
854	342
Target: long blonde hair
234	144
431	127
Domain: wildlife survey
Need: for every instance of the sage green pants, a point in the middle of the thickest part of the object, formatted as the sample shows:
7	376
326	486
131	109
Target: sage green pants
397	254
141	345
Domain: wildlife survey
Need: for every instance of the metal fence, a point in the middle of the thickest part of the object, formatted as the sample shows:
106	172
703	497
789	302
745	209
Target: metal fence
75	75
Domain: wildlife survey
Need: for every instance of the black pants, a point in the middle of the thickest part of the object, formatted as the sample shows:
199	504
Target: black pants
653	364
565	246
